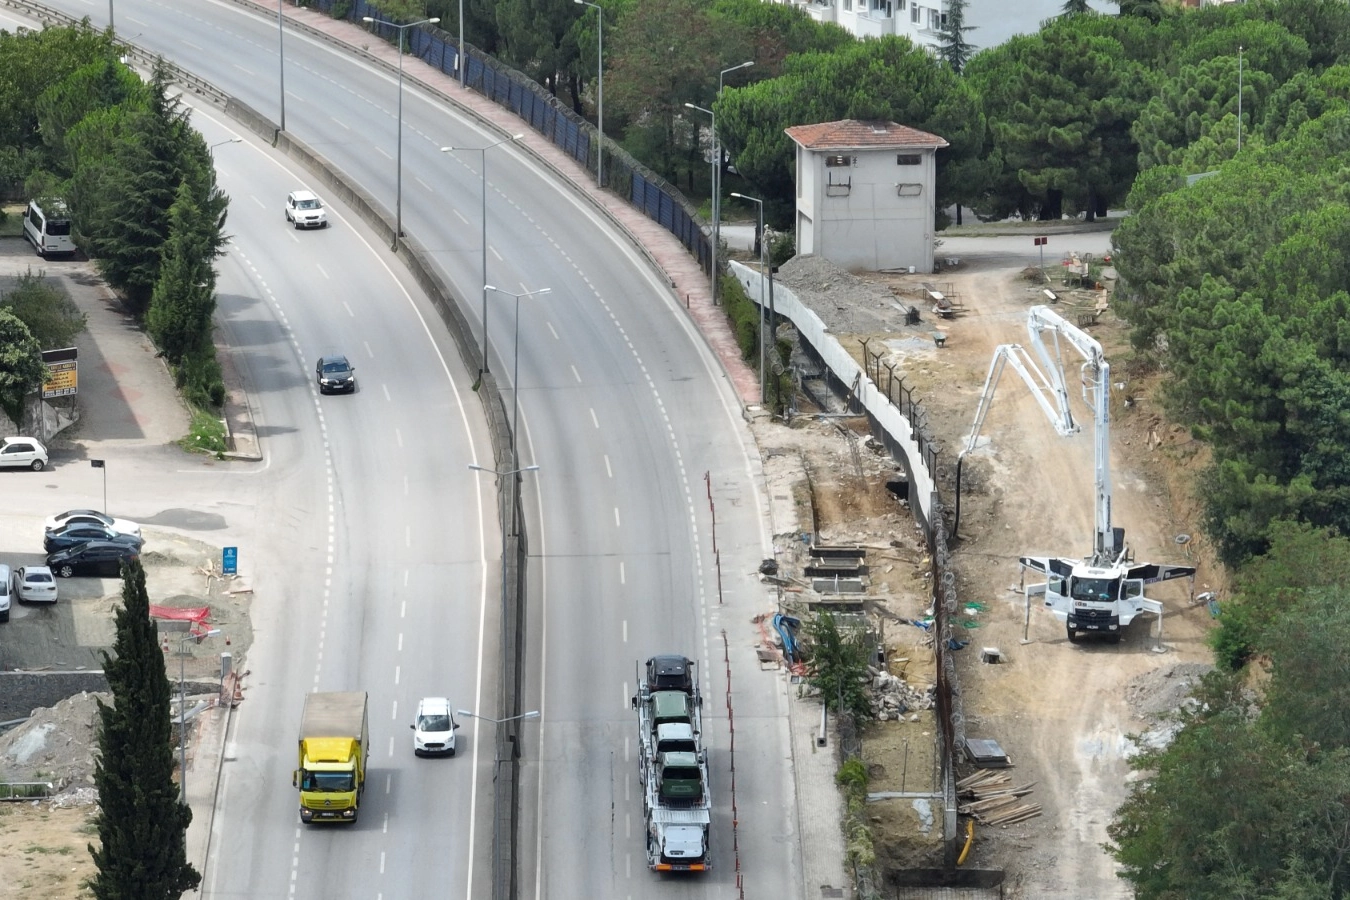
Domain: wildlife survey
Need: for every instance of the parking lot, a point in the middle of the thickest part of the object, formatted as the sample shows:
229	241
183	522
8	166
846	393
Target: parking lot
130	418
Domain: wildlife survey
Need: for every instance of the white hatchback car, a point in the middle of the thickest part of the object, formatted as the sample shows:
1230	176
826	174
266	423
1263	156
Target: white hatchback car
305	210
434	727
23	453
33	584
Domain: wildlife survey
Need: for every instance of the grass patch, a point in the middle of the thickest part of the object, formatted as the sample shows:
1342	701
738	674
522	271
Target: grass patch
11	222
34	848
206	434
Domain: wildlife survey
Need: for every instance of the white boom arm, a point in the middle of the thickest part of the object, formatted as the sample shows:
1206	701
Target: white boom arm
1047	381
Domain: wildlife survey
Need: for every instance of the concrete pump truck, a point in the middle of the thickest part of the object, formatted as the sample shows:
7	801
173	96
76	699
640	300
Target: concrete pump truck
1103	592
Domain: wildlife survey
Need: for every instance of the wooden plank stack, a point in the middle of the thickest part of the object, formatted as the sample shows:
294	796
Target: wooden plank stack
990	797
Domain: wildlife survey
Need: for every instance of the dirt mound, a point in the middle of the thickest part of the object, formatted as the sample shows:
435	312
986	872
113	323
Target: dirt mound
56	745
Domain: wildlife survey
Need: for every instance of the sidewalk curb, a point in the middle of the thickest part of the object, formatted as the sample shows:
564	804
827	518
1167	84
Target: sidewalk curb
218	751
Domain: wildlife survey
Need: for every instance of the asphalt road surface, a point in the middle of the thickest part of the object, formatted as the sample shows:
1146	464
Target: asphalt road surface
369	527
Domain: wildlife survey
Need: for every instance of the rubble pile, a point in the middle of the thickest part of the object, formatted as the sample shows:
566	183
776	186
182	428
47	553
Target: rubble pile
57	745
892	696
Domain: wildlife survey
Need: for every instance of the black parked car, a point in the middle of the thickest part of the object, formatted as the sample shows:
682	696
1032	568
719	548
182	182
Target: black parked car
80	532
334	373
92	557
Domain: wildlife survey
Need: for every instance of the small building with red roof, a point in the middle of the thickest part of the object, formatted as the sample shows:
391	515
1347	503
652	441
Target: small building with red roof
865	194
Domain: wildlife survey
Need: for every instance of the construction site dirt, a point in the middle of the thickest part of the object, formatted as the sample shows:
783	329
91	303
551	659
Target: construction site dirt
1061	711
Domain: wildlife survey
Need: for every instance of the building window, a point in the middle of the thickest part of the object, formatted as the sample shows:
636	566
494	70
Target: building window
835	162
908	159
914	13
900	5
934	20
909	190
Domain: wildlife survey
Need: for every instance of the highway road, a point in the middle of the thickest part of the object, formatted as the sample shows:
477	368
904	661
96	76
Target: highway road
371	529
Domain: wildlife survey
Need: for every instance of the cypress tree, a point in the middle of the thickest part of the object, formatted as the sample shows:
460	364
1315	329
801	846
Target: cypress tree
142	825
129	235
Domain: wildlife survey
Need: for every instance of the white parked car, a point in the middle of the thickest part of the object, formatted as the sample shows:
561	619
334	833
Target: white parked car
305	210
434	727
33	584
4	592
23	453
91	517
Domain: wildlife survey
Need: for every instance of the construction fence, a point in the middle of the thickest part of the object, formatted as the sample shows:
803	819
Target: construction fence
643	189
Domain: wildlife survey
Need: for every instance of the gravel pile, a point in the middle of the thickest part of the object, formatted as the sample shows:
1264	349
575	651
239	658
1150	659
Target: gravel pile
56	745
846	303
1154	694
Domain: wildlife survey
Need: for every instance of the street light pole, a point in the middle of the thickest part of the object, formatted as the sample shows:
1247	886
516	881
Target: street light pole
717	177
460	61
398	195
713	115
182	711
110	16
600	114
483	168
497	761
763	274
515	372
281	61
102	464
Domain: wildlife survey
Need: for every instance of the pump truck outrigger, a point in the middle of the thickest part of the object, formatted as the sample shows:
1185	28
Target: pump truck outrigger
1104	592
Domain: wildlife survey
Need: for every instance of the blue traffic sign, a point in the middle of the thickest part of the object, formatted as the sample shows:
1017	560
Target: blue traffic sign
229	560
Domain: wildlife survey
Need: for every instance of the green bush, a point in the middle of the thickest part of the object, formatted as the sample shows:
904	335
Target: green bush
743	313
1234	641
782	248
201	380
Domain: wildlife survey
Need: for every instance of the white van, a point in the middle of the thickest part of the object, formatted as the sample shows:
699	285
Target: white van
48	231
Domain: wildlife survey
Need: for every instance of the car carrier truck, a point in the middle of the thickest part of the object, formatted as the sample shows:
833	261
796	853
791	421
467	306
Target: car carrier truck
673	766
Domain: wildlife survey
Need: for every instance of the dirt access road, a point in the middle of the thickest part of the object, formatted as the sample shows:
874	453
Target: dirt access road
1060	710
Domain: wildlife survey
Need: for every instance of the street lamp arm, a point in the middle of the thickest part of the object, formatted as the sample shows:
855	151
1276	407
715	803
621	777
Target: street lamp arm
477	468
532	714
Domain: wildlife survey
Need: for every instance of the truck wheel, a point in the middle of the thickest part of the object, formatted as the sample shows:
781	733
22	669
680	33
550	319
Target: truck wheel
1073	634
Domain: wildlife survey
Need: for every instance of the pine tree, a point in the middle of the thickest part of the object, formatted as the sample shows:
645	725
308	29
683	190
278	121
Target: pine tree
954	50
142	825
1076	7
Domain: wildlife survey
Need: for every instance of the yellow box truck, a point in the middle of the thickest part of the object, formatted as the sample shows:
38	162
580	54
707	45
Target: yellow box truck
334	750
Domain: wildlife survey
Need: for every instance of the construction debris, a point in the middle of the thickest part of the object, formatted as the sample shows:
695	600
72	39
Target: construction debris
991	798
892	696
